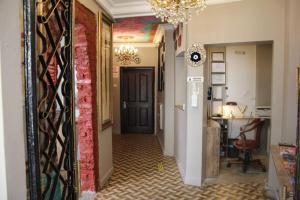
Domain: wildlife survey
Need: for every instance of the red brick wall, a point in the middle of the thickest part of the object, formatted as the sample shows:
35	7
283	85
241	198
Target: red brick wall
86	100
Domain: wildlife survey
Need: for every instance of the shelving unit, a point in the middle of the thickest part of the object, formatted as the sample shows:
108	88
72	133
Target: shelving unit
217	69
217	77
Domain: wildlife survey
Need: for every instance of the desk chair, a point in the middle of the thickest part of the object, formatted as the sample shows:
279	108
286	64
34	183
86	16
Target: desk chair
246	146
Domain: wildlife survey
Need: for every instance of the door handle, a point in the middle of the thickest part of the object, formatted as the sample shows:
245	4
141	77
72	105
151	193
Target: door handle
124	105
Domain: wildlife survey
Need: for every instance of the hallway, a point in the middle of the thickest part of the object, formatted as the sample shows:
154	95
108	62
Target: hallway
138	174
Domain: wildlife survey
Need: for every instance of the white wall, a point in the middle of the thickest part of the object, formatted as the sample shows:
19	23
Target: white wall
246	21
3	182
195	140
12	127
264	54
292	61
180	122
241	76
105	155
241	82
169	95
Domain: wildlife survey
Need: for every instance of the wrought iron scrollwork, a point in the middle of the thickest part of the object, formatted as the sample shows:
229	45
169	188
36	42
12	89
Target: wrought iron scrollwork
49	99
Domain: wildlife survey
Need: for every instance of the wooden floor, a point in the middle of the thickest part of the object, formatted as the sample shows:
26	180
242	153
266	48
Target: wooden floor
142	172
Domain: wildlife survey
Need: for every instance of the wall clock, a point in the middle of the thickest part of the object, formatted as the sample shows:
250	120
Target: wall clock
195	55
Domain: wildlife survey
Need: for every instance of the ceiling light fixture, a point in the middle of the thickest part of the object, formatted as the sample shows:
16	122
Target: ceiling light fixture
126	54
176	11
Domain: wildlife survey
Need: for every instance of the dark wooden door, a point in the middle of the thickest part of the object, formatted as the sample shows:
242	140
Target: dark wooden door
137	100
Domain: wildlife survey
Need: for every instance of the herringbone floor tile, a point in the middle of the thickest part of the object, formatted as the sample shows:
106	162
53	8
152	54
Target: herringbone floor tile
141	172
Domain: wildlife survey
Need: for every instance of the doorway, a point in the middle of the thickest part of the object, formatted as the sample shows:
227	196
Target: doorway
137	100
86	118
238	106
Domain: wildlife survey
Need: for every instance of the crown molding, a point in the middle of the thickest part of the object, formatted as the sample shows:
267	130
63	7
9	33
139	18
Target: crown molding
158	35
161	31
140	8
117	44
132	9
214	2
128	9
106	5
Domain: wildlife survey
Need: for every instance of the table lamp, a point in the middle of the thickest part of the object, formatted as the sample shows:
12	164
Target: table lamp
228	109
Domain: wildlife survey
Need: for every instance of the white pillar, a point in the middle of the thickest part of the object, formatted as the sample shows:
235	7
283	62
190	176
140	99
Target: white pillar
12	145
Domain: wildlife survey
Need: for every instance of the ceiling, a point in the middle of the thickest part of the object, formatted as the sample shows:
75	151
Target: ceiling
135	29
125	1
133	8
134	19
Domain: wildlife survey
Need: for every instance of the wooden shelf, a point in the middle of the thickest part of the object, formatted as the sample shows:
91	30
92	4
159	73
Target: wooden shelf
217	99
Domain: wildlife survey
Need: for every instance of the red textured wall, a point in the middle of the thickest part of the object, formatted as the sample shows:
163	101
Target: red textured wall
86	101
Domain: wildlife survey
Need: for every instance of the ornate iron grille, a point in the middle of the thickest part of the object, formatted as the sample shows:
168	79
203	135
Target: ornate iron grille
49	99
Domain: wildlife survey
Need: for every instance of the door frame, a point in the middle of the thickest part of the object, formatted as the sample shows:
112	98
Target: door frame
124	68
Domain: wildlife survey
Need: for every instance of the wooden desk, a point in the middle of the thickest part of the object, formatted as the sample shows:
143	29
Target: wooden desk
238	118
226	133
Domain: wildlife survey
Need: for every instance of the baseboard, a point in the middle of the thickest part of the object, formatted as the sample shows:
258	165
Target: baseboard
181	170
271	193
105	178
161	145
87	195
168	154
192	181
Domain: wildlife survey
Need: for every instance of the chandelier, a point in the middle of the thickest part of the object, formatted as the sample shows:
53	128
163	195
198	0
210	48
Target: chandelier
176	11
126	54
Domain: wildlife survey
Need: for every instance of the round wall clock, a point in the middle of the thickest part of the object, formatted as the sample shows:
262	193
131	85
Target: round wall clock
195	55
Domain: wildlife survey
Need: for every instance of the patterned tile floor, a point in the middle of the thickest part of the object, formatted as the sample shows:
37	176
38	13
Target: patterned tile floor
141	172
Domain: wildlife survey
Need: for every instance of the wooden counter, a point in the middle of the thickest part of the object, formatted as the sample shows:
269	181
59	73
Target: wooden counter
282	174
212	149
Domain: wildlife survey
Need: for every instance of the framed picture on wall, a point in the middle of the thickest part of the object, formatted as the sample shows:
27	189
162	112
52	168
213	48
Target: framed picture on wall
106	70
217	108
218	79
161	65
218	67
217	92
217	56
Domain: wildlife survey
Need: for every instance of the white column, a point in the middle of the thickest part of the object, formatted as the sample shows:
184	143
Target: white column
12	145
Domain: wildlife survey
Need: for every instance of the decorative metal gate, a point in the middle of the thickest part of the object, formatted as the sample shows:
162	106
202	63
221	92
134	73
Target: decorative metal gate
49	99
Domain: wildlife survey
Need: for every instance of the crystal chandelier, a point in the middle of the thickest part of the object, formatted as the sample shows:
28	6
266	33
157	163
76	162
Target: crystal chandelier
126	54
176	11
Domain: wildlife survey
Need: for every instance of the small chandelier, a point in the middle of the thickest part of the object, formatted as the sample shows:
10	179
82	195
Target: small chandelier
176	11
126	54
